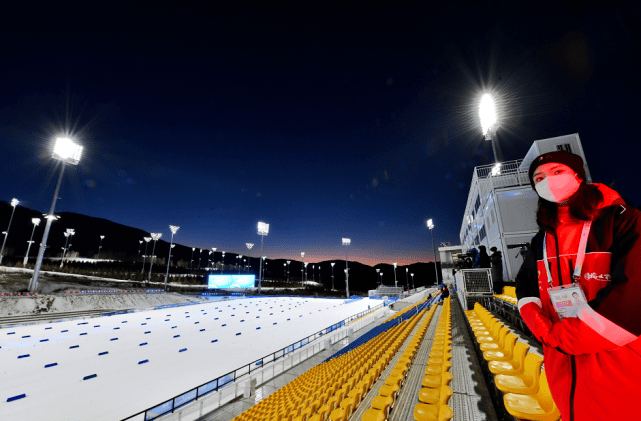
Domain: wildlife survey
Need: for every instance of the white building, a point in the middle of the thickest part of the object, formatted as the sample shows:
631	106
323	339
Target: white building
501	206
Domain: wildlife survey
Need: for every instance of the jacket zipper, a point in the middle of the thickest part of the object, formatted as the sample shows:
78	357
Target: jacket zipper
572	357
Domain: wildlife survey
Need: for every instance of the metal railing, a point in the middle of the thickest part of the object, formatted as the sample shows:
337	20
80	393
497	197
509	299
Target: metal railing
171	405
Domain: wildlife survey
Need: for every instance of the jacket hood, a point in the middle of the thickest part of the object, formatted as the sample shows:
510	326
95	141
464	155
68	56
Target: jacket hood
610	197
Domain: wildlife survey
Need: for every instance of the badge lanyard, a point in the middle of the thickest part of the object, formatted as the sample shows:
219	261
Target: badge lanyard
580	256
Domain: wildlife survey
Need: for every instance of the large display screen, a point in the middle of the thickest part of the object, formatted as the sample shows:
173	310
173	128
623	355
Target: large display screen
231	281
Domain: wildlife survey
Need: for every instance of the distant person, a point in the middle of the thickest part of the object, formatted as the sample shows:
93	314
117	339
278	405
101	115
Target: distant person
484	259
474	254
444	293
496	258
593	360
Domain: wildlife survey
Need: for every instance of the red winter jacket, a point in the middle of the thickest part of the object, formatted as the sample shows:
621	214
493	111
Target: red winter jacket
592	362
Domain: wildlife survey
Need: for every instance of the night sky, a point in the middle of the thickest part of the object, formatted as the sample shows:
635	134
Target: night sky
325	121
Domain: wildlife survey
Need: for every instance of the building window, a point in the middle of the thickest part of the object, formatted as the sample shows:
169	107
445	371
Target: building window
477	204
564	147
482	233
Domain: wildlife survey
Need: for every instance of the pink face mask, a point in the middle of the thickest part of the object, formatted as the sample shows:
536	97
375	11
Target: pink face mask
558	188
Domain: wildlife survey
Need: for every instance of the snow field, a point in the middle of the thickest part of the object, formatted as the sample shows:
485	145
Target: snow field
124	385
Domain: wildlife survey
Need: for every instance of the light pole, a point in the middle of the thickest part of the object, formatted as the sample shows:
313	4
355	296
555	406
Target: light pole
222	262
302	269
139	247
489	124
191	263
155	237
430	225
35	222
288	262
249	247
332	264
68	152
14	203
305	264
377	277
200	253
381	278
313	273
263	230
395	283
264	266
245	265
144	258
346	243
213	258
174	229
102	237
70	232
239	257
413	285
407	282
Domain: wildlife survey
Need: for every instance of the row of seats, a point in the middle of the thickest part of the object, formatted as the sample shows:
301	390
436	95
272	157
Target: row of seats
435	394
509	295
517	372
333	389
383	404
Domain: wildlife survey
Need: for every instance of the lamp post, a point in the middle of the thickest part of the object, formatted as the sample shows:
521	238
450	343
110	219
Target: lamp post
68	152
240	258
35	222
222	262
263	230
249	247
489	124
155	237
245	265
377	277
191	263
313	273
200	253
413	285
102	237
305	264
139	247
288	262
70	232
346	243
14	203
174	229
144	258
407	282
213	258
395	283
381	278
430	225
332	264
302	269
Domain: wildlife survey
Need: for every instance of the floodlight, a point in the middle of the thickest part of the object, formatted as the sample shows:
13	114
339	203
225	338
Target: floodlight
496	169
289	261
332	264
240	256
102	237
35	221
263	228
51	217
487	113
173	245
346	241
193	248
395	264
156	236
302	254
378	270
66	150
215	248
14	202
249	245
174	229
430	225
71	231
306	264
147	239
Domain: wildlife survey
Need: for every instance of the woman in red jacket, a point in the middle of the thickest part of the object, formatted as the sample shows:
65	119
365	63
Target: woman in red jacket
579	291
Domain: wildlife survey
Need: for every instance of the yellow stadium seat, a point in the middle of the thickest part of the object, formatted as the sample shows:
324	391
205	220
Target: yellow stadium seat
503	354
435	412
514	365
390	391
324	412
537	407
383	403
315	417
373	415
338	415
526	383
348	405
498	344
437	381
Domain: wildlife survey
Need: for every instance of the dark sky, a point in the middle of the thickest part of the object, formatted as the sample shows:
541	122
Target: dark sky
323	120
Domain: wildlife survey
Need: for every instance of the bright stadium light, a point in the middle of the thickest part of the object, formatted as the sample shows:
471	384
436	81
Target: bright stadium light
14	203
332	264
213	260
395	283
222	263
413	285
102	237
139	247
35	222
70	233
430	225
263	230
191	262
249	247
67	152
288	262
346	243
489	125
377	278
174	229
144	258
155	237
